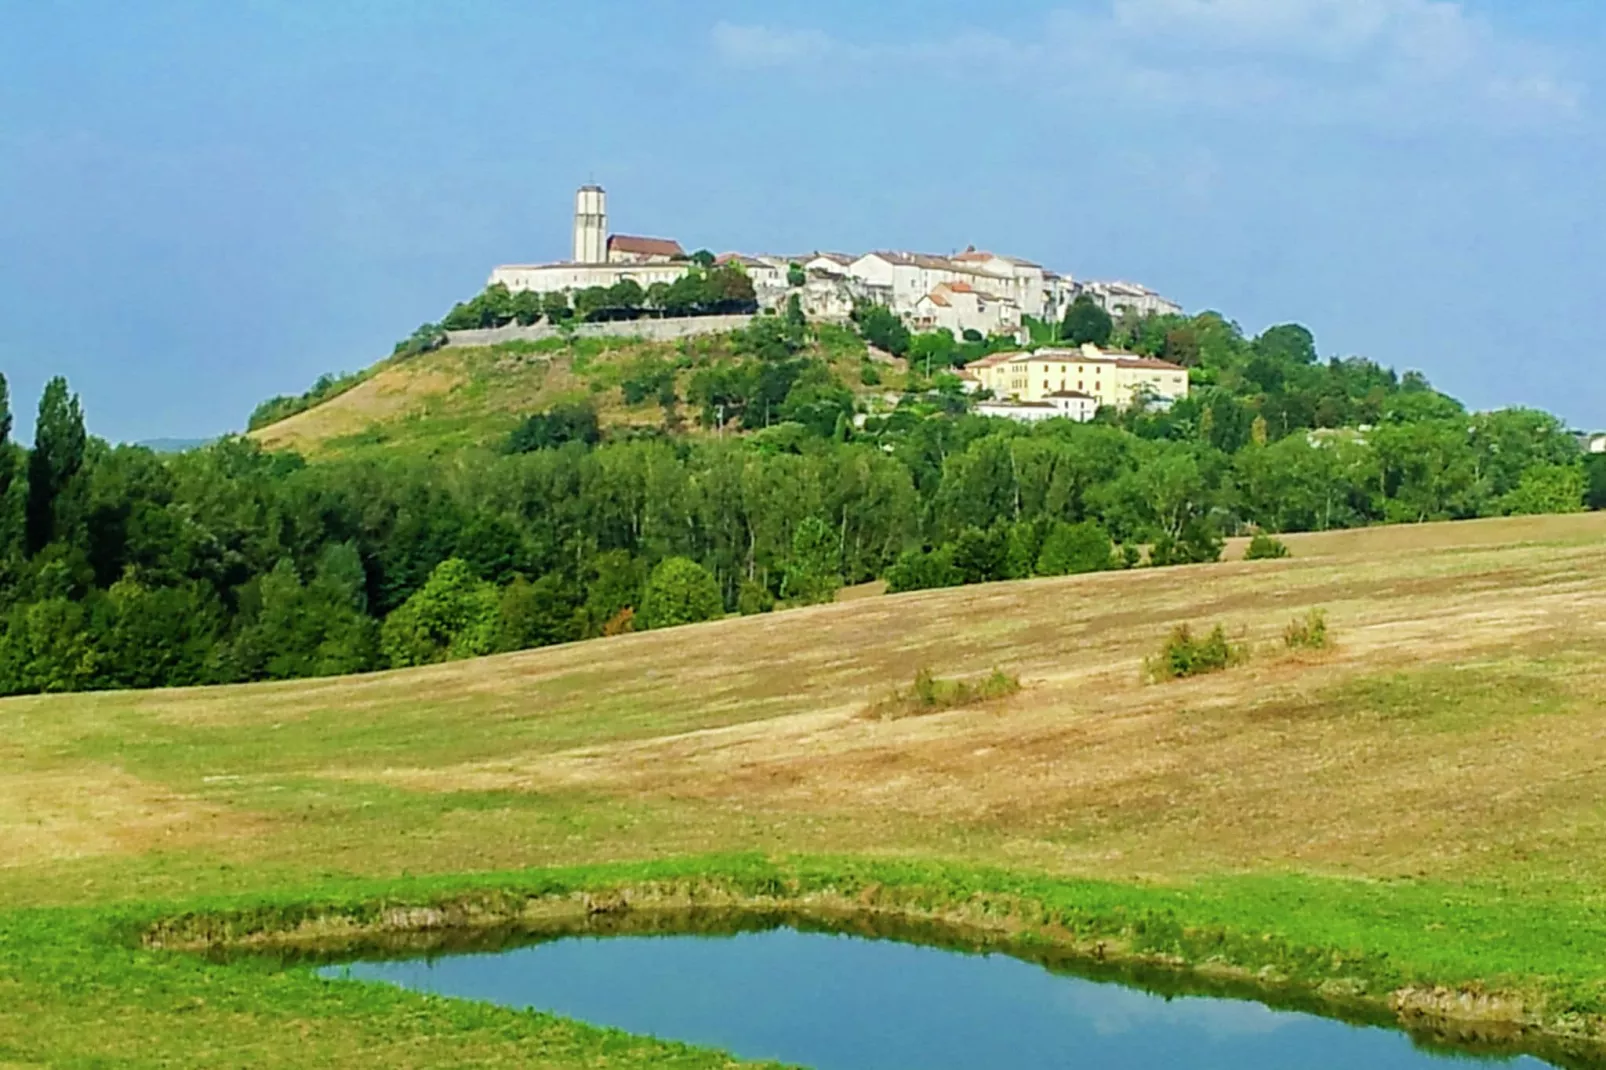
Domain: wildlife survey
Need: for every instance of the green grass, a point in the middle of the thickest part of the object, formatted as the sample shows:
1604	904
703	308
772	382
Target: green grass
1422	805
79	988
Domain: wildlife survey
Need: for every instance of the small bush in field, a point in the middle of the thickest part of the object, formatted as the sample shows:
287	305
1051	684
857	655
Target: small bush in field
1184	654
1264	547
1309	633
929	694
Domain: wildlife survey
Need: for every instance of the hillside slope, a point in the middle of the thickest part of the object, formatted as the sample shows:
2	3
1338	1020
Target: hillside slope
464	397
1457	727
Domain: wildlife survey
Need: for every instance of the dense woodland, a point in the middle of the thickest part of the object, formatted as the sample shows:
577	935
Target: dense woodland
123	568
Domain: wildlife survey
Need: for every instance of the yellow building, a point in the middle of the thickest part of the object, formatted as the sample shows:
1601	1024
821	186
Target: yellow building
1115	379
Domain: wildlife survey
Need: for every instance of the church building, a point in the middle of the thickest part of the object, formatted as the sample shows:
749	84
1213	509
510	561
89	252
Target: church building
600	259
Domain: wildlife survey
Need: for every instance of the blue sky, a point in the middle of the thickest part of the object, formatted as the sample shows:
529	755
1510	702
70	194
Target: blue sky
205	204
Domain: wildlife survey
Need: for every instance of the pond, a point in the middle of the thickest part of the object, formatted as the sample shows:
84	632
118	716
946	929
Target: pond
837	1002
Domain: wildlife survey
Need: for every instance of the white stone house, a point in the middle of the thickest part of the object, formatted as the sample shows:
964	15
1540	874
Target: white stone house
1119	297
1111	378
959	306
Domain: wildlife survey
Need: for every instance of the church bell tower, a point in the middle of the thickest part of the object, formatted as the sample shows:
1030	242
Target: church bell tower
591	226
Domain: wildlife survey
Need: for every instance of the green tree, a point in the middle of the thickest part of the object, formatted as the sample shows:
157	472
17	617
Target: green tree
1547	488
814	570
542	613
156	638
1289	343
555	306
569	422
680	592
528	308
454	615
933	350
290	629
922	570
47	646
796	276
1595	491
615	583
7	469
1085	322
1070	549
58	454
981	554
882	328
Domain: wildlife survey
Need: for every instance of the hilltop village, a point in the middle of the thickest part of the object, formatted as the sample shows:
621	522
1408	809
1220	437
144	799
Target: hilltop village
970	293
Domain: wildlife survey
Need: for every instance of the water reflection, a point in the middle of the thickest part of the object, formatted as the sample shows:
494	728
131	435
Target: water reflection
847	1003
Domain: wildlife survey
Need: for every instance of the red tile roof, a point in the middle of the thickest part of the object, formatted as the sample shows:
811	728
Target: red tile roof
626	243
1152	363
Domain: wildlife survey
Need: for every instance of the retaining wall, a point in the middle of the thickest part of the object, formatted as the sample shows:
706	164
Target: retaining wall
653	330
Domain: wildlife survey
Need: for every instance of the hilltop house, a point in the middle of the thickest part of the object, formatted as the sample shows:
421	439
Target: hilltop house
959	306
1111	378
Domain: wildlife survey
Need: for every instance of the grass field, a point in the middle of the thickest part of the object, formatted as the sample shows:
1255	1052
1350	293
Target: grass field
1417	815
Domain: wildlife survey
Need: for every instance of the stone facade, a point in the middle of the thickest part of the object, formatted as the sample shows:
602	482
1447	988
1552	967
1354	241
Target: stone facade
1110	378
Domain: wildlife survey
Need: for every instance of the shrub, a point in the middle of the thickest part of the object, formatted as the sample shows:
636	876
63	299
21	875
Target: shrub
680	592
426	339
560	424
647	377
454	615
754	598
1309	633
1264	547
921	570
1184	655
929	694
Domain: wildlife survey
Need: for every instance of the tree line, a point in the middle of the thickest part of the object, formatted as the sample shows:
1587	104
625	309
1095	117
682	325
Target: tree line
705	290
123	568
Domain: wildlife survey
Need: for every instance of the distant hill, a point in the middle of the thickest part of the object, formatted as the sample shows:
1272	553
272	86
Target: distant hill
173	445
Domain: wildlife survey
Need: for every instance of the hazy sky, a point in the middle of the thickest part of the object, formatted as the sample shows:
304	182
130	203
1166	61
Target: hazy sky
203	204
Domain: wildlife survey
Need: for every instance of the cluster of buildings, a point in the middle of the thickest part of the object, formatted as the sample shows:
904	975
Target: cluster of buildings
970	291
1072	383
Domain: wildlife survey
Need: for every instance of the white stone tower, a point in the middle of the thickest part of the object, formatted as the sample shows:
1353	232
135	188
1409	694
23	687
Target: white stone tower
591	226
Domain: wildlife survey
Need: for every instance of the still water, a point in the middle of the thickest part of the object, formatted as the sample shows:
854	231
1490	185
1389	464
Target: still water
847	1003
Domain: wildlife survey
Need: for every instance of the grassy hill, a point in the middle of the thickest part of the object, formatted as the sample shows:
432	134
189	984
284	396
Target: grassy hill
451	399
1419	806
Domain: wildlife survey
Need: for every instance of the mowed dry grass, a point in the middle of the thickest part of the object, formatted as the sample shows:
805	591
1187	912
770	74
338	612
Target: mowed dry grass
471	395
1457	730
391	394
